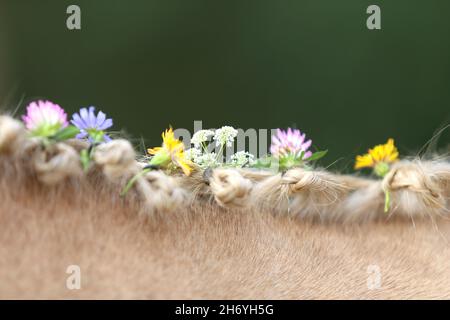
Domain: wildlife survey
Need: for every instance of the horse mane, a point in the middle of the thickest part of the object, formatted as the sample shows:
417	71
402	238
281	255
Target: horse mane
227	233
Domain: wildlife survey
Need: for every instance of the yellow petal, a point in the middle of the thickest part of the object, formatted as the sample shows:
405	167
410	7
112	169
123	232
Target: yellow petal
364	161
185	167
154	150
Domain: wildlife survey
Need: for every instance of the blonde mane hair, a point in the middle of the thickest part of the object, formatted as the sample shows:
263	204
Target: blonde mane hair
226	233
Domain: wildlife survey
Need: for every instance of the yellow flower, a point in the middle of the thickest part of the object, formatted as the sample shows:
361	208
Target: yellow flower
380	154
379	158
172	151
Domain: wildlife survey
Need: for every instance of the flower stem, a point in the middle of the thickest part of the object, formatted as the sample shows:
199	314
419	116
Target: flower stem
219	153
204	147
85	159
86	156
381	170
387	200
133	181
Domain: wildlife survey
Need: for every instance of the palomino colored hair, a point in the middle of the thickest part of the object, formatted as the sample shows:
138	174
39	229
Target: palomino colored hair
226	233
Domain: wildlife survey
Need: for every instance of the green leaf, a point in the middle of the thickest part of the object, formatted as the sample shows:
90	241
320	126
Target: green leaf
66	133
317	155
262	163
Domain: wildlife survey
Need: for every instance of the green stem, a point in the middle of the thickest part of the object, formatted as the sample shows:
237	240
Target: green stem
87	155
46	142
387	200
133	181
91	153
204	148
381	170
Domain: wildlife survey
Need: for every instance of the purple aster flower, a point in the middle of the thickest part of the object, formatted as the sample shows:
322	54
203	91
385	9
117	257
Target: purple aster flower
44	118
290	142
90	124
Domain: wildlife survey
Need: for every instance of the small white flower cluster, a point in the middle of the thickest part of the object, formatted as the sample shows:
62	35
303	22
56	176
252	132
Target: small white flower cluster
201	137
192	154
242	158
222	137
207	160
225	135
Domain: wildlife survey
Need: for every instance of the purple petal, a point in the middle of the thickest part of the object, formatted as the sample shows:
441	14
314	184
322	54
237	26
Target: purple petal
107	138
306	145
106	124
100	119
81	135
307	154
84	115
279	133
78	123
273	149
275	140
92	118
76	118
301	138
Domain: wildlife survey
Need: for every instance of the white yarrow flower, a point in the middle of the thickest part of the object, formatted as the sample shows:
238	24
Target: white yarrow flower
192	154
225	135
201	136
242	158
207	160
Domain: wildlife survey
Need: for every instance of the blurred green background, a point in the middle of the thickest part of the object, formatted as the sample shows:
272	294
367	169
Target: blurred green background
250	64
